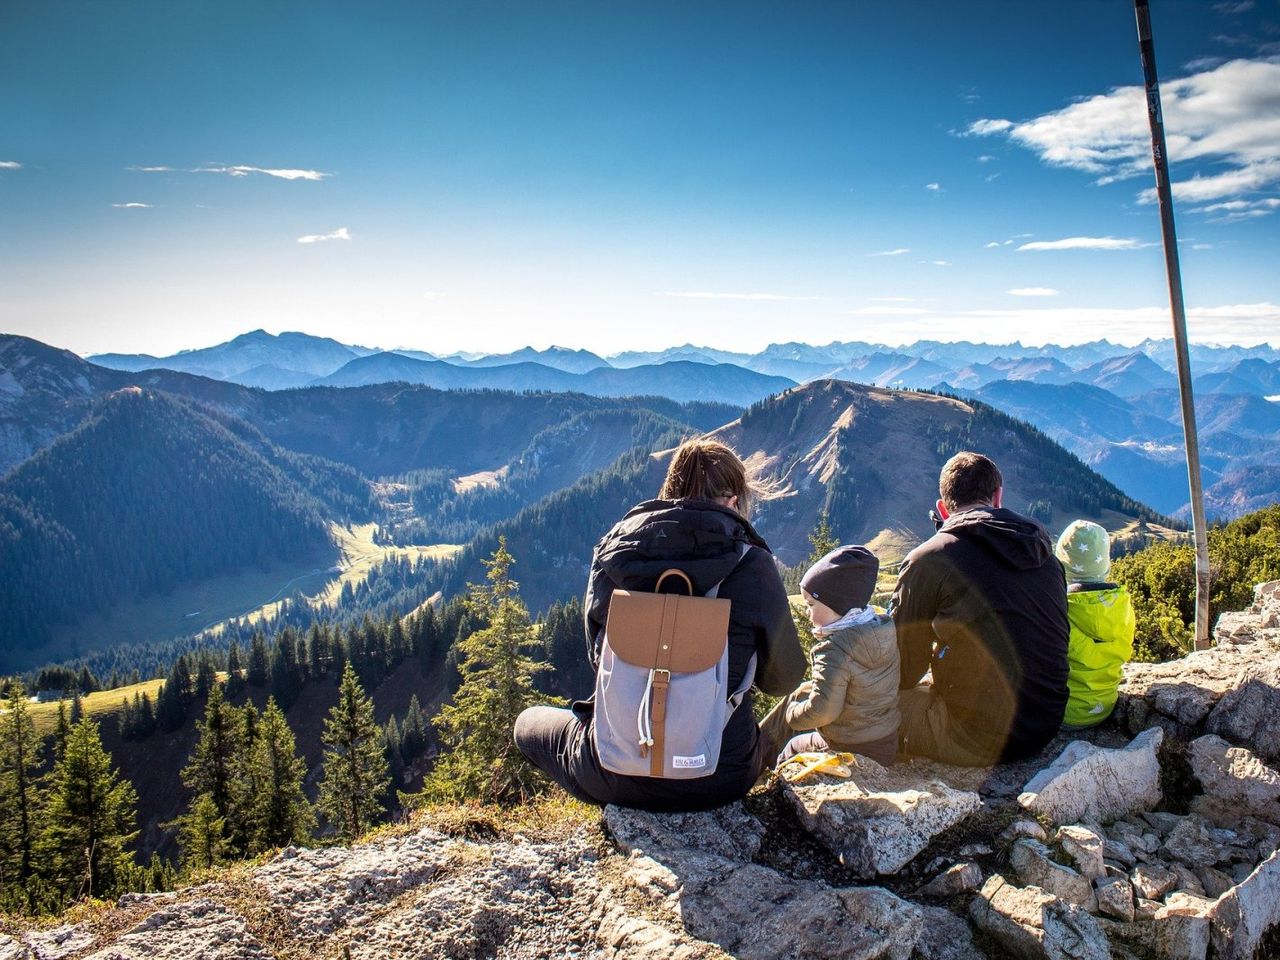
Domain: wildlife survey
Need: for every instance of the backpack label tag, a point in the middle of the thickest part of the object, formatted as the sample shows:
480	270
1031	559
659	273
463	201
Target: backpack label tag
688	763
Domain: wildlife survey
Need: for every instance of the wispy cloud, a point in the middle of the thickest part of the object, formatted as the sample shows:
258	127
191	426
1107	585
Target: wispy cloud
340	234
242	170
1085	243
1227	115
713	295
896	252
279	173
934	187
1033	292
133	205
10	165
1230	7
902	299
938	263
1230	210
887	312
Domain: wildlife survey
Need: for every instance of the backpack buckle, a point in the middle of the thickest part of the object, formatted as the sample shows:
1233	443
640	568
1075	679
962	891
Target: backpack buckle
666	682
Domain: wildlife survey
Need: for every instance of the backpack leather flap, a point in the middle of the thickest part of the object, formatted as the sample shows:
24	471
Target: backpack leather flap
667	631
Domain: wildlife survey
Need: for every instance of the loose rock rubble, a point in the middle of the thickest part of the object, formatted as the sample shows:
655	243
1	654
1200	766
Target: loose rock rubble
1075	854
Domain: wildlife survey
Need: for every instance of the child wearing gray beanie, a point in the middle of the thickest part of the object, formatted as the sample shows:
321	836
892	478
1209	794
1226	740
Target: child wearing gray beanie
851	701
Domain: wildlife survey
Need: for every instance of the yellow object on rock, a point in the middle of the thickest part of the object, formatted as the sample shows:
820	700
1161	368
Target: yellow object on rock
806	764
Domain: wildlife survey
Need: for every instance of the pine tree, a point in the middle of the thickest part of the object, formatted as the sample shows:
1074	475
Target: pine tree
258	664
206	675
391	747
413	735
211	770
355	767
61	731
281	813
202	835
234	667
497	684
90	817
19	794
821	539
77	707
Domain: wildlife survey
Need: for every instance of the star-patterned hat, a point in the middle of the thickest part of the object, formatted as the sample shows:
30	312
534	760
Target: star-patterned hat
1085	551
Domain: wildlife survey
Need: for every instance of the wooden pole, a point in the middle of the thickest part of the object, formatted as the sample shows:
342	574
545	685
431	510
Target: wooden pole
1160	157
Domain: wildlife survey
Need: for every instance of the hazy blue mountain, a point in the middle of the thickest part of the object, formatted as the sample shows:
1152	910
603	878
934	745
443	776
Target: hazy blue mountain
300	352
683	381
1250	375
1153	473
1126	376
1077	414
893	369
1206	358
558	358
268	376
687	352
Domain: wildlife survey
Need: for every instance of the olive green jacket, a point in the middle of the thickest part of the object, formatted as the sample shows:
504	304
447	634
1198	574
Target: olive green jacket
853	696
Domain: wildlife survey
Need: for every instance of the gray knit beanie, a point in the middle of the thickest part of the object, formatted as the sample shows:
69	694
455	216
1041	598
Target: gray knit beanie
844	579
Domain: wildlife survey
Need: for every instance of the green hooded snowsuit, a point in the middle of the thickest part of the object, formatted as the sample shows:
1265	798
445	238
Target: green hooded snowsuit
1102	627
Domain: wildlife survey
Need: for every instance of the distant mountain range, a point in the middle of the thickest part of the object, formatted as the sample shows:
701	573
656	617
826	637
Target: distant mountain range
124	485
1115	406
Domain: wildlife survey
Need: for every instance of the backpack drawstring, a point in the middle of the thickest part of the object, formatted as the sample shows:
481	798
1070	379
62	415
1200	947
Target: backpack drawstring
644	718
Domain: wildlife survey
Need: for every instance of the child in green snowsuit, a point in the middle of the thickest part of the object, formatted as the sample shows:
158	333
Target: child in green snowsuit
1102	624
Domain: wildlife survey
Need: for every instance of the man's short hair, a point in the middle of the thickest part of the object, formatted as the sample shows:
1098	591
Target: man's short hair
968	478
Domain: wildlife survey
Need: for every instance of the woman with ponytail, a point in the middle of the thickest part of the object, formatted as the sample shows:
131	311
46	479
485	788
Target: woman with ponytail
699	526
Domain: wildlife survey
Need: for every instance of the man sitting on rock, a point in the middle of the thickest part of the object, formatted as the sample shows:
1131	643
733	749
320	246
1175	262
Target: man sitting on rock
983	604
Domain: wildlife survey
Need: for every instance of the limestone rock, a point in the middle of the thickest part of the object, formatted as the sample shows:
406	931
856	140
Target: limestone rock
1024	828
1188	882
1197	843
1242	915
1236	783
1030	859
1144	909
1098	785
1118	851
1152	883
626	937
11	949
1214	882
728	831
1115	898
946	937
961	878
1167	935
1250	714
55	943
748	910
879	819
1033	925
1085	848
197	927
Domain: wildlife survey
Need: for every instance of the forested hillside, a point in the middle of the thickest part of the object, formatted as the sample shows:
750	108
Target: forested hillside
148	493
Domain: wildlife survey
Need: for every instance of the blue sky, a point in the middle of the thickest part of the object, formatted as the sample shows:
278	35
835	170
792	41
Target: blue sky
482	175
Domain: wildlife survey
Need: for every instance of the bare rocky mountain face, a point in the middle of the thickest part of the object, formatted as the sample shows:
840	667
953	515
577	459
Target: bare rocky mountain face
1151	837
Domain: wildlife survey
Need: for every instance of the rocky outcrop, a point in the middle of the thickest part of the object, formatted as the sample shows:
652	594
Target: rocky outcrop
1154	837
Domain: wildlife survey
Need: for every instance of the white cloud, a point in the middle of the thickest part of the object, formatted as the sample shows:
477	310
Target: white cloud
935	187
986	158
1230	211
993	243
340	234
1227	116
940	263
10	165
709	295
887	312
902	299
896	252
1231	323
241	170
282	174
1033	292
133	205
1085	243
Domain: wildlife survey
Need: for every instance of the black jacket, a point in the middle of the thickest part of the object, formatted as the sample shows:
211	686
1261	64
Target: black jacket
702	539
988	591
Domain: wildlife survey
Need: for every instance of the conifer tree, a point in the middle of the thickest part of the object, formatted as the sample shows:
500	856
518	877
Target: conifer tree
19	793
258	664
211	770
90	817
234	667
391	747
206	675
497	684
413	735
202	835
77	707
61	731
281	813
355	767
